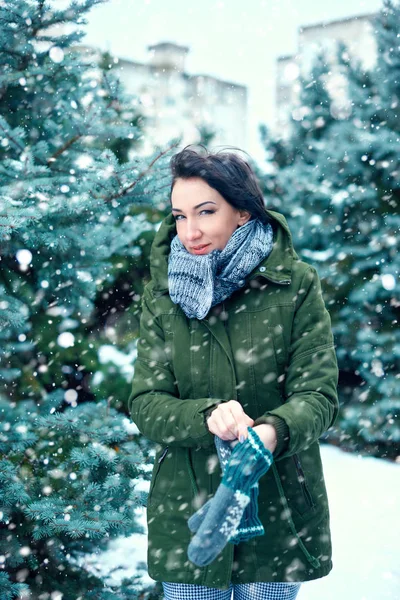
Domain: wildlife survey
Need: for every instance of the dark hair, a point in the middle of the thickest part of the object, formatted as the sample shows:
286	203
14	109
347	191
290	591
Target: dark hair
227	173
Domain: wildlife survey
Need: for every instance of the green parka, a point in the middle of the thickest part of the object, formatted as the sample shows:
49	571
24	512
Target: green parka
269	346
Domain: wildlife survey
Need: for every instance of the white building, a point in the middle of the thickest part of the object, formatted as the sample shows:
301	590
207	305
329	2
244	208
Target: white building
176	103
358	35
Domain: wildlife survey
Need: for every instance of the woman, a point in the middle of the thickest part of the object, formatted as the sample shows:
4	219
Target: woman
234	333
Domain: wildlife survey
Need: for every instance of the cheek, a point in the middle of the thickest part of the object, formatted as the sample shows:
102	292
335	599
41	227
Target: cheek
222	237
219	233
179	233
223	226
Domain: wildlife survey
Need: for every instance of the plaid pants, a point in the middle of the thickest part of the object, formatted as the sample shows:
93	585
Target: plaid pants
241	591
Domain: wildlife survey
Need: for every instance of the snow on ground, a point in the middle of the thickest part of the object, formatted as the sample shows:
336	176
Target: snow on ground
364	499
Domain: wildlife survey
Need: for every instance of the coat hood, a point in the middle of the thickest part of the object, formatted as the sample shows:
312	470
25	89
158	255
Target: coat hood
277	266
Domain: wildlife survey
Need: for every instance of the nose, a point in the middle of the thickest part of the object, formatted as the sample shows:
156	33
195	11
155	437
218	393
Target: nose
193	233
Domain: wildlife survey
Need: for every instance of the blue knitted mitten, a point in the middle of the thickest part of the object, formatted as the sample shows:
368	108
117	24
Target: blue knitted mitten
249	461
250	525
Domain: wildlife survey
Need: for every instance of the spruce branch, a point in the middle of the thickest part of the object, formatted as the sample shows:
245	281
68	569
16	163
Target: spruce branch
132	185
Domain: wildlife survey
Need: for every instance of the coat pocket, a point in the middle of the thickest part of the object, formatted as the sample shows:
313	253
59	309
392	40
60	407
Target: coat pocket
295	486
157	492
309	502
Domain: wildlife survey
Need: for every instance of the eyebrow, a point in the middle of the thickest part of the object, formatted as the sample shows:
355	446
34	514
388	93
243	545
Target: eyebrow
197	205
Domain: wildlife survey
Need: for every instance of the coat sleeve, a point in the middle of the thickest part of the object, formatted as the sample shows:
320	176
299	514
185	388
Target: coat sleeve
154	403
311	403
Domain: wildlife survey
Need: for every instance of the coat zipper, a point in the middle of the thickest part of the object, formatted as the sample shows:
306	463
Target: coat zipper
283	282
163	455
302	481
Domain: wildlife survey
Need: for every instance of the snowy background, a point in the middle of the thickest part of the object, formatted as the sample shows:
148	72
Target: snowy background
236	33
78	207
364	499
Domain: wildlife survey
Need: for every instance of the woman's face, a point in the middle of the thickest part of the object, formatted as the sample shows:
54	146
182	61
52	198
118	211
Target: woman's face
211	224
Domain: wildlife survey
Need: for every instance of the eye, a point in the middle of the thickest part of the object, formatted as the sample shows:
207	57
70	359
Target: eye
210	212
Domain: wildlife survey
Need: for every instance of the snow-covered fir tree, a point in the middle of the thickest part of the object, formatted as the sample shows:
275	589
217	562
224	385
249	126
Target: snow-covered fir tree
341	197
370	254
76	221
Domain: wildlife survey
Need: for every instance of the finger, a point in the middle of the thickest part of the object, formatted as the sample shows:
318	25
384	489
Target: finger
230	423
239	415
243	421
223	431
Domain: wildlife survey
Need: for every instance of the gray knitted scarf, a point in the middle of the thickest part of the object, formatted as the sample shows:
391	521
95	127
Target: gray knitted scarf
199	281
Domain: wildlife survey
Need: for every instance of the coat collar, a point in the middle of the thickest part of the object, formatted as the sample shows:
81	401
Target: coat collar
277	266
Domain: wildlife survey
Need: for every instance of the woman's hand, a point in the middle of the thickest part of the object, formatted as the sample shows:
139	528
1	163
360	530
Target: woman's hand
229	421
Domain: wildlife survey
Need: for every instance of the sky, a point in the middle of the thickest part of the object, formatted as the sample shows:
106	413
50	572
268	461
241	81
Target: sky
234	40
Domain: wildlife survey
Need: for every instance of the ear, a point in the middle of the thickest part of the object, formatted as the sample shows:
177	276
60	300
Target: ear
244	217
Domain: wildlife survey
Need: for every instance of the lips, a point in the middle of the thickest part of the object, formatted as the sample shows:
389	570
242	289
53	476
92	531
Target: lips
200	247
